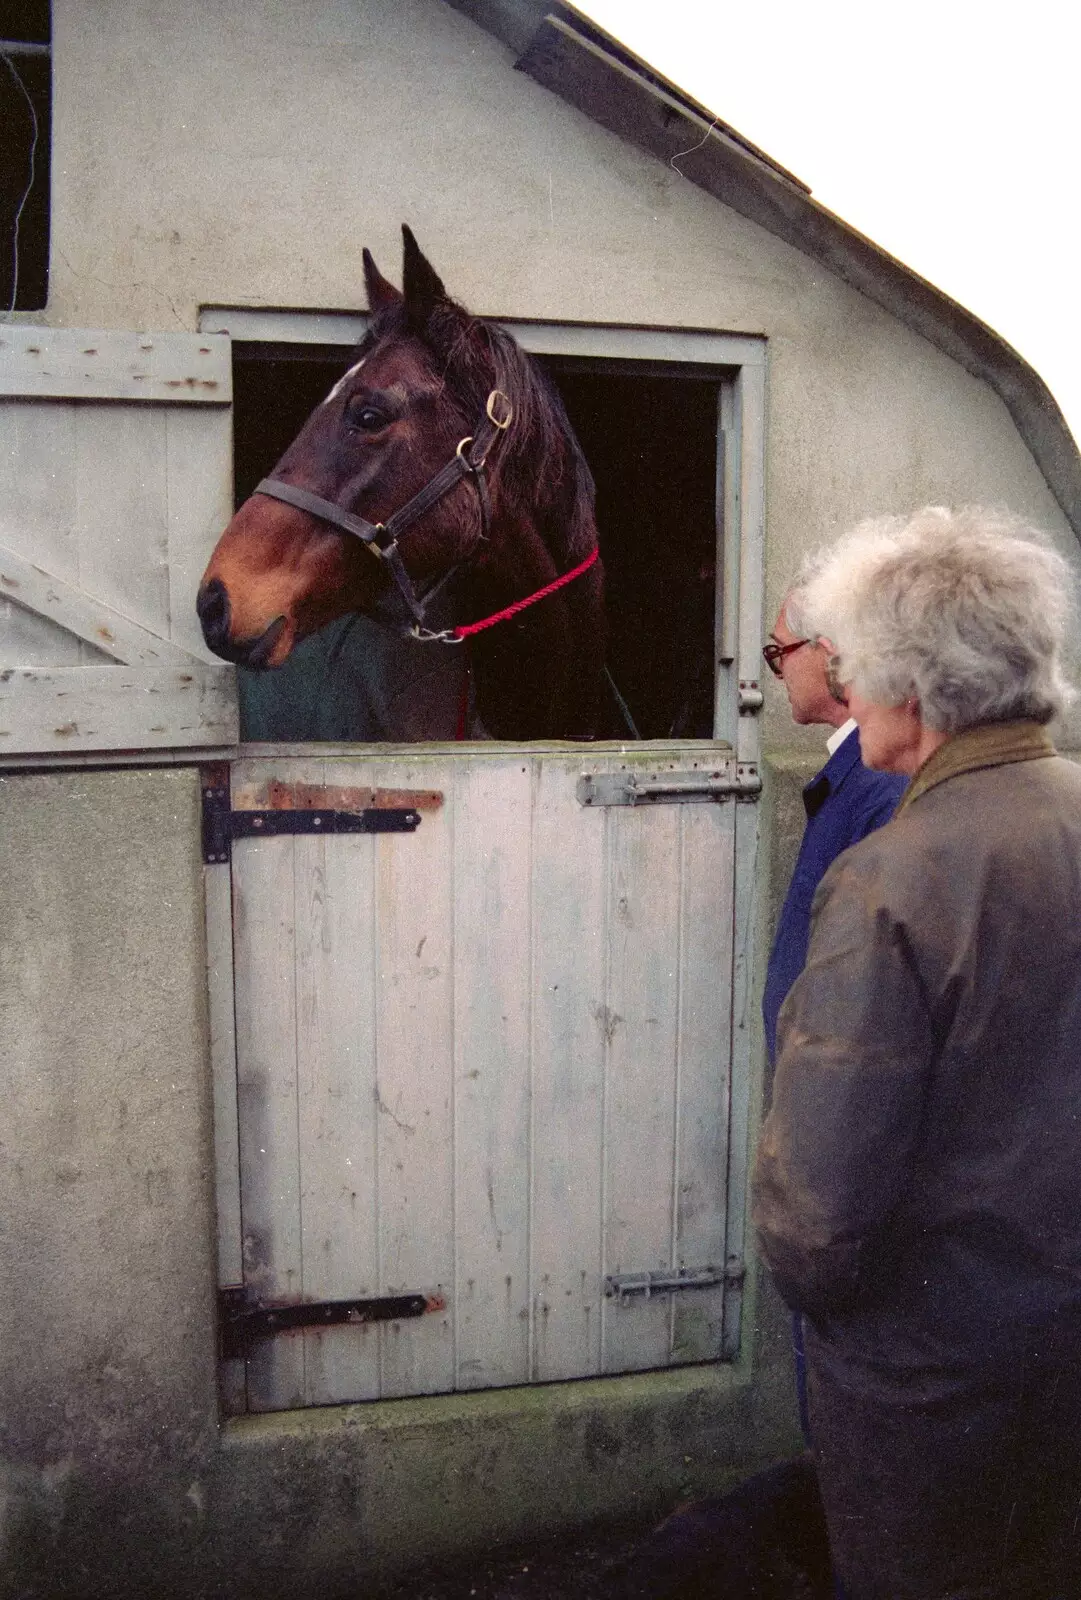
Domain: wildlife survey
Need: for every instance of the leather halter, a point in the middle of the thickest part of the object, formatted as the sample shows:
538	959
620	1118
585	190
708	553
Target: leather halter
382	538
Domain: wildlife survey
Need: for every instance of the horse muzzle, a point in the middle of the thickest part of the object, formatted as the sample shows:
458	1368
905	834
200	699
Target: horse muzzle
215	617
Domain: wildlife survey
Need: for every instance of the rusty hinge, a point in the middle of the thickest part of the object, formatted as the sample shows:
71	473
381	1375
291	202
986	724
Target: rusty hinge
242	1318
222	823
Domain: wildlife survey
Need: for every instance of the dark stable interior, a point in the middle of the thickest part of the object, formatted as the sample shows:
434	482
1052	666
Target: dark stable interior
25	121
650	437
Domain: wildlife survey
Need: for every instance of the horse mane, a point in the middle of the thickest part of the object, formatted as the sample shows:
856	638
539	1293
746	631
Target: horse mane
543	674
541	465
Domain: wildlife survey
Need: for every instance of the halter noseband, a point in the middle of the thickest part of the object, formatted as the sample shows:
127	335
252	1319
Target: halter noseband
381	538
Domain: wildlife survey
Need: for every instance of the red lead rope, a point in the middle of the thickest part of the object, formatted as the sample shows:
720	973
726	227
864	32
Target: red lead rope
501	616
520	605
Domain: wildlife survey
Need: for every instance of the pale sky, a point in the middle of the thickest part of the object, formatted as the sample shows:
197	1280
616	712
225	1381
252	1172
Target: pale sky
948	131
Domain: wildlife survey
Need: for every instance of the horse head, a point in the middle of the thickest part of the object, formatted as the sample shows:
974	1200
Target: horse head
441	463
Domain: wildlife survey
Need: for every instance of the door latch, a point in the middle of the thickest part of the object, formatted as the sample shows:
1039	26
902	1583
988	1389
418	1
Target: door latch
622	1285
722	782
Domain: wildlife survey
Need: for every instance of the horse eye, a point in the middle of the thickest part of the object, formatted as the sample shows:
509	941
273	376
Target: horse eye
365	417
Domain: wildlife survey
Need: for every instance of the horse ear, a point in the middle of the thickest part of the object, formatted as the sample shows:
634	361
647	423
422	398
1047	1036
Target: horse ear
422	284
381	294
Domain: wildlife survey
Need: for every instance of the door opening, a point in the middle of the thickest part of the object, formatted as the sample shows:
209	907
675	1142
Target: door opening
650	433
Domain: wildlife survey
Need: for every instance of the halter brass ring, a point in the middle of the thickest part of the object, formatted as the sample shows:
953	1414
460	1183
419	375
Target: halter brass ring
460	452
508	418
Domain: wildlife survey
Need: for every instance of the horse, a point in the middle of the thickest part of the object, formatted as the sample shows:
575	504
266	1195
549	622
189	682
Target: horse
438	490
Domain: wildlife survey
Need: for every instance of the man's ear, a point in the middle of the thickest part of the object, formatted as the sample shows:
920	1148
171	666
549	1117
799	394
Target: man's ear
838	691
827	644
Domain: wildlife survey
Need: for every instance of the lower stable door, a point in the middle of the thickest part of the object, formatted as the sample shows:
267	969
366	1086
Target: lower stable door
480	1044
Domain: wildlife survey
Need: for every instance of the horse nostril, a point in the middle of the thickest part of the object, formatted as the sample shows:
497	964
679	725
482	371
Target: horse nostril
212	605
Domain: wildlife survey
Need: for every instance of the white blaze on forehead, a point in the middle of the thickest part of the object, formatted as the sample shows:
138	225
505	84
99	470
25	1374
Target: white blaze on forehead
341	383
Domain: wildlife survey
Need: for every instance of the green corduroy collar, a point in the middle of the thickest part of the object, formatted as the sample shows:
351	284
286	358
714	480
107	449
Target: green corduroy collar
992	744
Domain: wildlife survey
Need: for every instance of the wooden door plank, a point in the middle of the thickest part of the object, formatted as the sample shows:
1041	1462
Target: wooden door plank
30	640
38	484
414	998
110	708
339	1164
116	636
335	961
114	364
642	1078
492	1023
122	511
705	1047
199	496
569	909
746	1022
219	961
267	1089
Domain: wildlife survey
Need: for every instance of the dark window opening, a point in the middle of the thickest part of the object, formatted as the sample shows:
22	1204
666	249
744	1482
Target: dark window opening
651	443
650	435
25	117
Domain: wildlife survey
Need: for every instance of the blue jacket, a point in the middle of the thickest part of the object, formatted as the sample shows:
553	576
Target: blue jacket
844	803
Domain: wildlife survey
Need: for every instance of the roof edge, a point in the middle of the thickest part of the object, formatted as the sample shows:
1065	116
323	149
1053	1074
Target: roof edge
577	61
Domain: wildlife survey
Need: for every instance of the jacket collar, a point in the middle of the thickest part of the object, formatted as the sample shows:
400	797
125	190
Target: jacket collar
992	744
832	775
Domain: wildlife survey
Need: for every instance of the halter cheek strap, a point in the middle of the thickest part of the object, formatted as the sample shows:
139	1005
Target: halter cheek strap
381	538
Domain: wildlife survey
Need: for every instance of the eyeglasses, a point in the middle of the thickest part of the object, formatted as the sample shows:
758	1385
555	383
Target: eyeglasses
774	654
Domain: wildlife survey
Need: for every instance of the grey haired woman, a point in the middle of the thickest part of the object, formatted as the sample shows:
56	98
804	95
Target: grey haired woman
917	1192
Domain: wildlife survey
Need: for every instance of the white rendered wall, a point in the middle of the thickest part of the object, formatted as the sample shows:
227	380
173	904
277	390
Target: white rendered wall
244	154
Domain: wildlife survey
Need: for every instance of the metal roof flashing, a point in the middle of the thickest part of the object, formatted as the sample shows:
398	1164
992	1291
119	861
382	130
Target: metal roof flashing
568	54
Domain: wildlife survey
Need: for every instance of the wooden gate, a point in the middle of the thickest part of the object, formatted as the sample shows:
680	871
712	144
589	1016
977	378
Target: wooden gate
485	1063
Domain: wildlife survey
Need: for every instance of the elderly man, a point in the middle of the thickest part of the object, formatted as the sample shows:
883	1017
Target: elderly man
844	802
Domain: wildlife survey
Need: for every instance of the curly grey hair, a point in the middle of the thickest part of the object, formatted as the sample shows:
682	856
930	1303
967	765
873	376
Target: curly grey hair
966	610
794	609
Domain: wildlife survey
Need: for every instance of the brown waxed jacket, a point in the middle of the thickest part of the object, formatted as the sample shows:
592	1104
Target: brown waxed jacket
917	1191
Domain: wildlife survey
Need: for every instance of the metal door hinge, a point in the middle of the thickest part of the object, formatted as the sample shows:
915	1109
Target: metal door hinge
222	824
647	1284
242	1318
750	698
724	782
